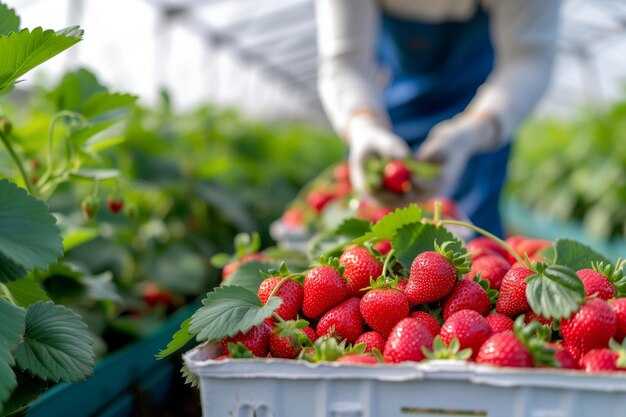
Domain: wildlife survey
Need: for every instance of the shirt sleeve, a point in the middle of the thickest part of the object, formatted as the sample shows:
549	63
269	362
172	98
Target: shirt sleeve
524	35
346	34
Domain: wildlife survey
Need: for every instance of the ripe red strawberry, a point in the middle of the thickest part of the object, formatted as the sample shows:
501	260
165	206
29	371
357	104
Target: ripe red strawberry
359	359
469	327
402	283
406	340
531	315
383	307
596	283
155	295
482	246
318	199
324	288
256	340
600	360
341	173
433	275
344	320
619	307
342	189
499	323
466	295
293	217
384	246
491	268
427	320
504	349
290	292
531	247
512	298
372	340
115	204
360	265
397	177
562	356
590	328
282	347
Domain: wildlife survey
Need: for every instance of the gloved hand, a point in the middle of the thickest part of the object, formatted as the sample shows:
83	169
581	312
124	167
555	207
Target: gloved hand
368	137
452	143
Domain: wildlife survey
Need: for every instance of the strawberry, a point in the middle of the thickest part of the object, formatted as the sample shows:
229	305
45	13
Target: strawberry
482	246
284	347
469	327
155	295
256	340
115	205
90	206
232	267
427	320
342	189
341	172
512	298
372	340
360	266
600	360
406	340
397	177
402	283
596	283
590	328
619	307
531	247
491	268
562	356
383	246
343	320
324	288
290	292
531	315
383	307
359	359
317	199
433	274
466	295
499	323
504	349
293	217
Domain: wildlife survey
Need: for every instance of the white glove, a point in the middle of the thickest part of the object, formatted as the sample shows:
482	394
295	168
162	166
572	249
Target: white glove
368	137
452	143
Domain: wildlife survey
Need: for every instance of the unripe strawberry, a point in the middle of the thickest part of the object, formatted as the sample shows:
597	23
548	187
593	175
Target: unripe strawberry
343	320
90	206
132	211
372	340
360	266
5	126
406	340
469	327
290	292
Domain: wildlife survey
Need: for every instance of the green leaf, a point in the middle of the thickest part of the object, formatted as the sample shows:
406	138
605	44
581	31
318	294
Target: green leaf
24	50
190	378
11	330
353	228
556	292
28	389
330	243
179	340
74	89
105	102
9	270
229	310
576	255
29	236
413	239
76	237
387	227
27	291
56	345
97	174
102	141
249	275
9	20
81	136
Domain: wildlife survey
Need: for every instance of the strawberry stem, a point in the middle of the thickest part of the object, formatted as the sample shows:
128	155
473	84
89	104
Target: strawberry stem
386	264
437	213
486	234
275	290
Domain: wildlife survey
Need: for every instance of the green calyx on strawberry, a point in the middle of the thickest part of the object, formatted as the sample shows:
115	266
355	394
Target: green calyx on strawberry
451	351
615	276
484	284
324	288
535	337
239	351
328	349
620	349
459	260
383	306
288	338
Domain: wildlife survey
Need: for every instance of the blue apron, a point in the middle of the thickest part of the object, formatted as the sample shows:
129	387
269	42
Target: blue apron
436	70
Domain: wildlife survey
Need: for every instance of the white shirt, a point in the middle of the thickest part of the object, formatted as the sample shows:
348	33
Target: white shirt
523	34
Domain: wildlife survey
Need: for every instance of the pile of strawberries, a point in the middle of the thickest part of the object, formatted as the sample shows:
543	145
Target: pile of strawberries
363	307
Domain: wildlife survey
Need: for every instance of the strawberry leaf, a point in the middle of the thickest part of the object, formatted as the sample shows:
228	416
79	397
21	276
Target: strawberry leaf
250	274
575	255
9	20
12	329
556	292
413	239
229	310
387	227
330	243
179	340
190	378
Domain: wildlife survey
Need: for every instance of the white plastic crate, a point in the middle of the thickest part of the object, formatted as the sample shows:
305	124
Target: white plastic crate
283	388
